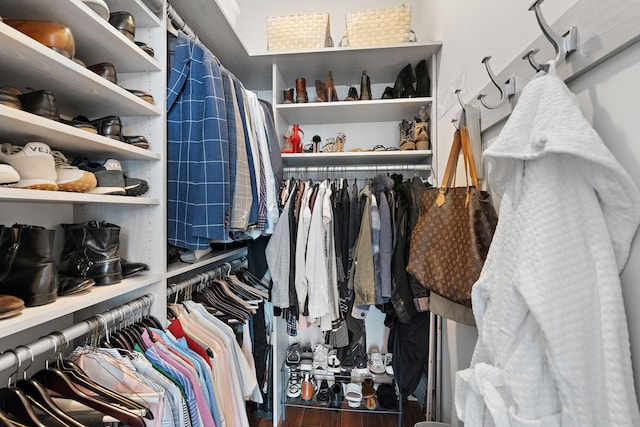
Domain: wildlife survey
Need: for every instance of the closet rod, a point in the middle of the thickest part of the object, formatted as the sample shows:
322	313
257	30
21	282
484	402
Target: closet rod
47	345
212	273
179	24
356	168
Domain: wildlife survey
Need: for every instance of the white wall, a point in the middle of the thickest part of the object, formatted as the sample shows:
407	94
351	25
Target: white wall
608	95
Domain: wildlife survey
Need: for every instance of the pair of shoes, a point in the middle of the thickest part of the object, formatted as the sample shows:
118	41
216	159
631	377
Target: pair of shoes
376	362
111	179
54	35
403	86
294	385
39	167
353	394
386	396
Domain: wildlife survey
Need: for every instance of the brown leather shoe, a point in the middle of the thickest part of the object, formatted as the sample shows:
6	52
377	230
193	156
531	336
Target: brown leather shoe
124	22
10	306
105	70
54	35
9	97
301	90
145	96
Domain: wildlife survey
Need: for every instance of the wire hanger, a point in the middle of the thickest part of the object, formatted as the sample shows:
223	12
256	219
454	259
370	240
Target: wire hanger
563	45
507	90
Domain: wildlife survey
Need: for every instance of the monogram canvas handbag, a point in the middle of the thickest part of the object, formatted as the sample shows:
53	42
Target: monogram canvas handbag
449	244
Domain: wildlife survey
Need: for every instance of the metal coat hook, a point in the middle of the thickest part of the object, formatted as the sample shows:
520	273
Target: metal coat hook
457	91
563	45
506	91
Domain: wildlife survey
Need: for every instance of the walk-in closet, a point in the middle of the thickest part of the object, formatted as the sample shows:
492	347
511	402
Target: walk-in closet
249	214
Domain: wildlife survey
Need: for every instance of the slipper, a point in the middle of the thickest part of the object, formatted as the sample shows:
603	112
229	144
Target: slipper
353	394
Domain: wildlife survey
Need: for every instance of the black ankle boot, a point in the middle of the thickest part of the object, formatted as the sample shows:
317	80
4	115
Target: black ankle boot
398	88
28	270
408	79
423	82
92	250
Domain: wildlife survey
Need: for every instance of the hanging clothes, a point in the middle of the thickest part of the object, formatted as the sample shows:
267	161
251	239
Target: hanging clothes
553	346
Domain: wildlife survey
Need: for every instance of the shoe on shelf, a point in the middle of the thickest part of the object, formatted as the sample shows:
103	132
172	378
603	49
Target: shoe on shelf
386	396
293	355
71	178
109	176
368	389
131	268
333	363
336	395
307	389
376	362
294	385
320	355
34	164
135	186
10	306
361	368
352	95
323	396
54	35
69	285
9	97
106	70
8	175
353	394
124	22
41	103
388	363
109	126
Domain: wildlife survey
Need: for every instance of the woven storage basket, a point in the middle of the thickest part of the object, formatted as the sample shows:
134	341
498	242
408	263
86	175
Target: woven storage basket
302	31
379	27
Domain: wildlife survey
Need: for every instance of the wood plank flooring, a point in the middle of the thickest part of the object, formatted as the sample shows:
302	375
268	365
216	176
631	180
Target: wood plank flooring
309	417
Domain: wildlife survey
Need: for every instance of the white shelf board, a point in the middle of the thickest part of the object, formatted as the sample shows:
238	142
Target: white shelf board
34	316
9	194
29	65
377	110
20	127
382	63
96	40
409	157
178	268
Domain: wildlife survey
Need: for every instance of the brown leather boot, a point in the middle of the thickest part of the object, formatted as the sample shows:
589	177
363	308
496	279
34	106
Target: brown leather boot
330	93
320	86
301	90
288	96
365	87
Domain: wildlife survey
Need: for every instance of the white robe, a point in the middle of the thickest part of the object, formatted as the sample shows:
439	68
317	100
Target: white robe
553	346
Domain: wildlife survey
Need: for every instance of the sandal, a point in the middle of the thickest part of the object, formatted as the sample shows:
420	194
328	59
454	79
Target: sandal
353	394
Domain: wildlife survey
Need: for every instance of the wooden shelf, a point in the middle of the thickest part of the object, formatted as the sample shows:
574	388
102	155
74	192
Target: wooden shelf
379	110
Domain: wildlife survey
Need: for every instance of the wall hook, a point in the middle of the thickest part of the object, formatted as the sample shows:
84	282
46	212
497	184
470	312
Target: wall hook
529	56
563	45
506	91
457	91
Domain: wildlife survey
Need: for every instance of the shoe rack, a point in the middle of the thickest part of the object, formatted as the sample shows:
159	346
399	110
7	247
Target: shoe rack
28	65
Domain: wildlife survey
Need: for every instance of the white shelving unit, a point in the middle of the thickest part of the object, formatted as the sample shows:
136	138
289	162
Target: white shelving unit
28	66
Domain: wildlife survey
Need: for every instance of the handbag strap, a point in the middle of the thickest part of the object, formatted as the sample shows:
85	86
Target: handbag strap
468	155
461	142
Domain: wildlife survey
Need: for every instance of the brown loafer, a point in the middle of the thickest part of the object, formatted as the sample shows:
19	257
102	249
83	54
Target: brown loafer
105	70
10	306
54	35
9	97
145	96
124	22
40	102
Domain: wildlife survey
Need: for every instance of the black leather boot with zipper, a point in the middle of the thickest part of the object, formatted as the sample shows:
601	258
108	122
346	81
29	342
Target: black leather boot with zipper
28	270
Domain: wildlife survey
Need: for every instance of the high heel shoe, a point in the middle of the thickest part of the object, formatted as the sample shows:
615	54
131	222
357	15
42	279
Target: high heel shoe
408	78
423	82
320	86
330	94
365	87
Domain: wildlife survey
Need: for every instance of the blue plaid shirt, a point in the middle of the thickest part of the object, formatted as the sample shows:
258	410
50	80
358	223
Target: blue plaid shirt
198	183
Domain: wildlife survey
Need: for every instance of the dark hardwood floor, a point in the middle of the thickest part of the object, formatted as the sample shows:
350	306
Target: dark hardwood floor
310	417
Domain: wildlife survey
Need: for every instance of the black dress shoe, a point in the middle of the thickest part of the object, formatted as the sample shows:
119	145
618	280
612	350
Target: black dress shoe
131	268
68	285
124	22
137	140
80	122
323	397
146	47
105	70
40	102
109	126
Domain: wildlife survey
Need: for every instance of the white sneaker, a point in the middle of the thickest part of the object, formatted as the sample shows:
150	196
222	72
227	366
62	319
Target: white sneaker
34	164
8	175
376	362
388	363
320	354
71	178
